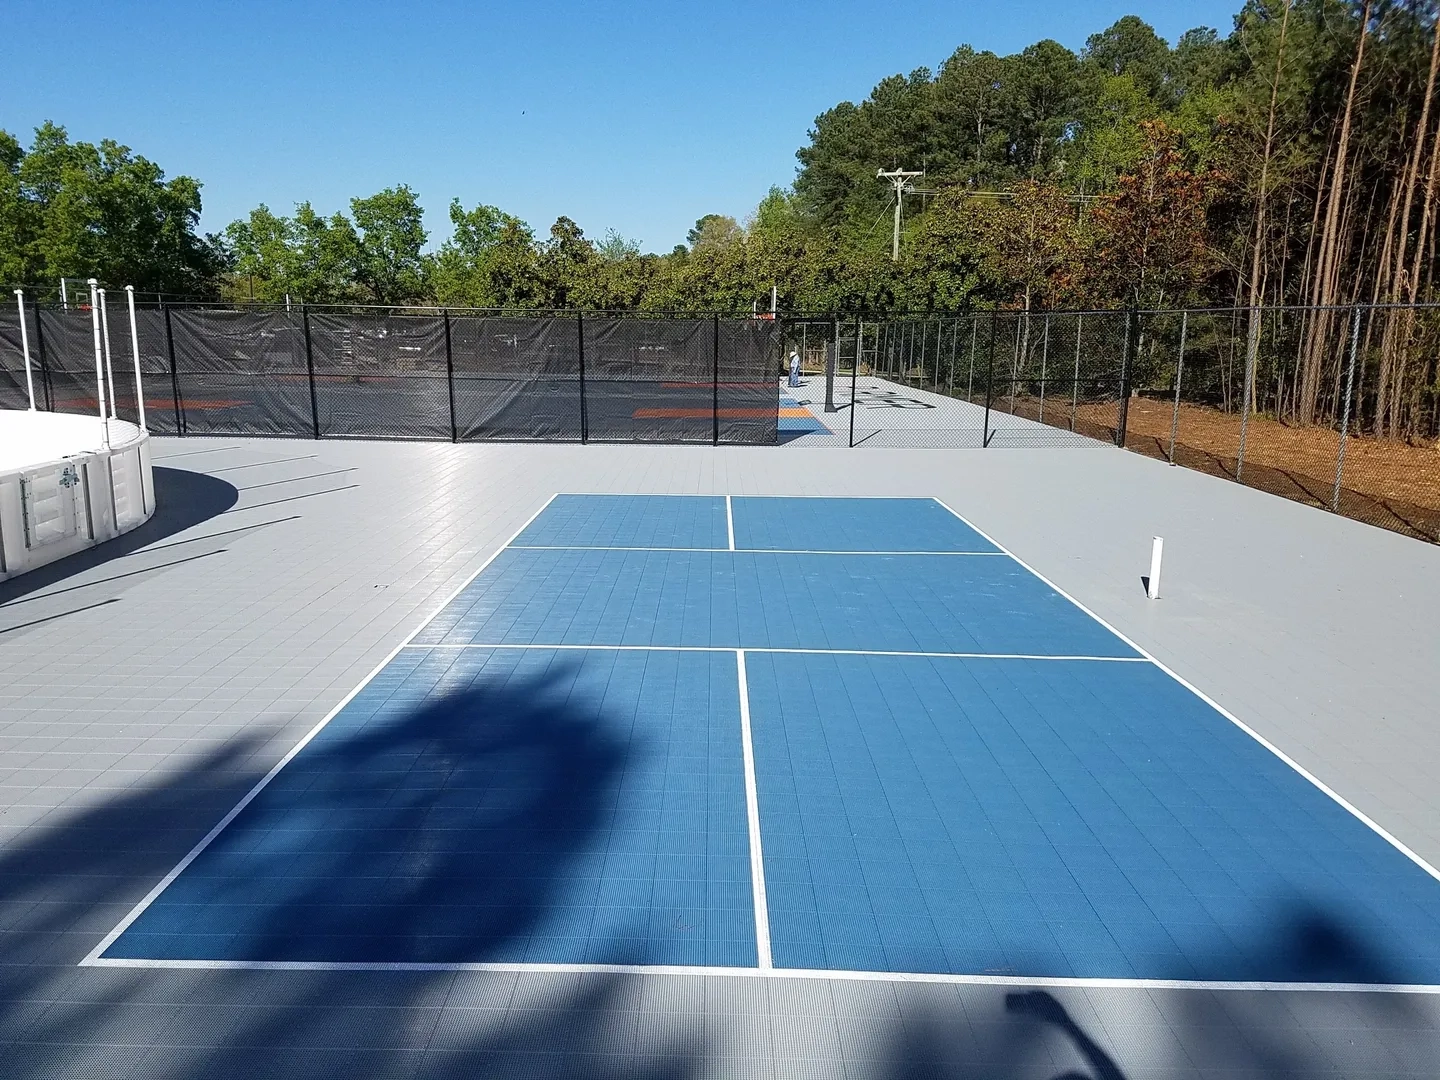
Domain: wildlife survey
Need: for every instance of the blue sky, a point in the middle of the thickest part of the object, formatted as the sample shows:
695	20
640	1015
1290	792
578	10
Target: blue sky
637	116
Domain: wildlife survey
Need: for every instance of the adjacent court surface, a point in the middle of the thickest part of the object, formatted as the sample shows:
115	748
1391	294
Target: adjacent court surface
792	734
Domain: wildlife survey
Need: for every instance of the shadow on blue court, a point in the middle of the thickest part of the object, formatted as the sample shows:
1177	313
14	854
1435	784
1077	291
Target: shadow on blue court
555	771
488	807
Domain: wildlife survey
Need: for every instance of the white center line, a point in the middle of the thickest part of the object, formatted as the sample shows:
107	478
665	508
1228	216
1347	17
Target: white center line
730	522
752	811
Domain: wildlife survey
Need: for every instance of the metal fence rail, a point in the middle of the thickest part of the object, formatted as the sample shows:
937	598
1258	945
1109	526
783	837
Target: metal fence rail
1335	407
402	374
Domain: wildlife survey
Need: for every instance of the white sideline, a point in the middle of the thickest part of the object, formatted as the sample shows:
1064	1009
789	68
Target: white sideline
92	958
781	973
1380	830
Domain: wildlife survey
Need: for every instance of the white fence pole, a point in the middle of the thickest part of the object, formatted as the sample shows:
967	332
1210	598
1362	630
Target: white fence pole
1152	586
135	351
99	361
25	347
109	368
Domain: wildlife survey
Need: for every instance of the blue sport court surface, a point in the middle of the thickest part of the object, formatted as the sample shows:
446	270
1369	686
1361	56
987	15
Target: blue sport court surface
799	734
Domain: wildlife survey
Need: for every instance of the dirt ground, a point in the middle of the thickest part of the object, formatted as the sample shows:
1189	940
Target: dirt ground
1383	468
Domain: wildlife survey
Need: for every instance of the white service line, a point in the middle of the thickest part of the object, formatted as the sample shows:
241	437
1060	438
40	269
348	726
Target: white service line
1060	981
1379	830
800	652
730	521
752	813
93	957
747	551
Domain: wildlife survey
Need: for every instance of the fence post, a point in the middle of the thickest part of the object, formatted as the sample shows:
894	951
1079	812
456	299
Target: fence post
1179	372
854	369
715	387
954	346
970	379
1252	352
1345	416
44	364
989	381
450	377
1044	364
1132	334
310	367
1075	386
584	408
174	374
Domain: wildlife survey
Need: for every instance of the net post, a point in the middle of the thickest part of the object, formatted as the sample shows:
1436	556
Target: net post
174	375
1345	415
1152	583
310	370
715	383
584	404
450	376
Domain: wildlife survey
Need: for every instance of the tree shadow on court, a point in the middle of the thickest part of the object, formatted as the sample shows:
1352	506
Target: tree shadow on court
449	832
538	778
446	833
183	499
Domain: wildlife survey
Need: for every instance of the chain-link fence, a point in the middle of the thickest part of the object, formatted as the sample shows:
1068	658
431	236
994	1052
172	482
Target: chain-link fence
1335	407
408	374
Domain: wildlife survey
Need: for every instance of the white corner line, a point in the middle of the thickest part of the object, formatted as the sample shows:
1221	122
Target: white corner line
752	814
730	522
788	651
92	958
1058	981
1375	826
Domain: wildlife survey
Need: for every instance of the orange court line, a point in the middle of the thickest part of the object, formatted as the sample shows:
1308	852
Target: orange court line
696	414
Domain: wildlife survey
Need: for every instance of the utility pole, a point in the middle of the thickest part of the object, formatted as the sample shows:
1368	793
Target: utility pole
900	181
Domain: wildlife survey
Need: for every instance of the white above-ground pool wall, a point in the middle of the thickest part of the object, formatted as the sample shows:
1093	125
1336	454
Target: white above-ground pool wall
54	509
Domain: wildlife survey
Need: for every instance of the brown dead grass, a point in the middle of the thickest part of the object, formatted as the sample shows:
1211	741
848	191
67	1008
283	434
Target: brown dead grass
1381	468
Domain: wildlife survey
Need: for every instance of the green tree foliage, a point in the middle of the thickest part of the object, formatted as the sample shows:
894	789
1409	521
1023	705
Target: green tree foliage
74	209
1129	171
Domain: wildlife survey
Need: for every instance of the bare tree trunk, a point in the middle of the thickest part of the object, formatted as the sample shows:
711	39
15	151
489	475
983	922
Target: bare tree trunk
1328	269
1394	346
1255	258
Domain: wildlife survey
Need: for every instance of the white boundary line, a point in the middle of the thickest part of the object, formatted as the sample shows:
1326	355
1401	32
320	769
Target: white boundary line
799	652
1261	739
730	522
752	813
781	973
92	958
750	551
95	959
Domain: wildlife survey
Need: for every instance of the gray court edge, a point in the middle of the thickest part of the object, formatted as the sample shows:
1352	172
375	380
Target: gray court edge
763	969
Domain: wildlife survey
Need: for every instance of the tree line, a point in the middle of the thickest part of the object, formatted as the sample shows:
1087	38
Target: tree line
1293	160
